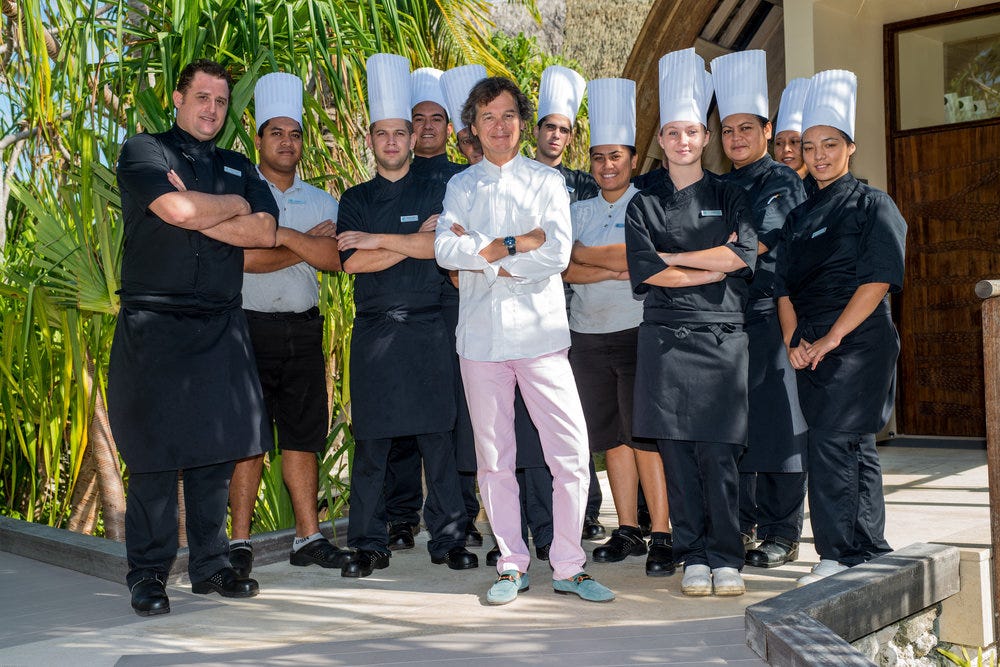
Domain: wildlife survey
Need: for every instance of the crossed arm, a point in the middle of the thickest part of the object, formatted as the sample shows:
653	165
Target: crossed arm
225	218
317	247
593	264
377	252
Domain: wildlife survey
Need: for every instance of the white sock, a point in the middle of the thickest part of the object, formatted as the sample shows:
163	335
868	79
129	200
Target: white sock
300	542
240	543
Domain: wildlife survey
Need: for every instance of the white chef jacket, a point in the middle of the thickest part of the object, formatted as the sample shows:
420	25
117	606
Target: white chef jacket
524	316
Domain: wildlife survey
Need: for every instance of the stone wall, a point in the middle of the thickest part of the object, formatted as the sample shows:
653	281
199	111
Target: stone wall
913	642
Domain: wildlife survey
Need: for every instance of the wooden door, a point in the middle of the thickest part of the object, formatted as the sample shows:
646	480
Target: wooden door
946	182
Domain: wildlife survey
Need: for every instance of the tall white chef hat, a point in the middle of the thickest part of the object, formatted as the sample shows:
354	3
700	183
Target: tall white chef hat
425	84
277	94
388	87
685	88
612	111
740	80
561	91
831	100
790	109
456	84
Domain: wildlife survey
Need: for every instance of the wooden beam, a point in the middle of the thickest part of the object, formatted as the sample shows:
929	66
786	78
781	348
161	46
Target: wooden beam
670	25
739	22
988	291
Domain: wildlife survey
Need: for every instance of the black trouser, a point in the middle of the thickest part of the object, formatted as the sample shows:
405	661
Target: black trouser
404	491
151	513
536	502
774	502
846	505
444	512
467	482
702	490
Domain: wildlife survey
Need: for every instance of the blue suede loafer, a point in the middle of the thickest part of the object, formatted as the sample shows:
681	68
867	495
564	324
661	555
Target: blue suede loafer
583	585
507	586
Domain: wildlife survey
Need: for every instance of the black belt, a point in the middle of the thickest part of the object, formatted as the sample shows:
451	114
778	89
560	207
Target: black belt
304	316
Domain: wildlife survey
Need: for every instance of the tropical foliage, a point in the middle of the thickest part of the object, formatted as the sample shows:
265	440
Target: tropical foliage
78	76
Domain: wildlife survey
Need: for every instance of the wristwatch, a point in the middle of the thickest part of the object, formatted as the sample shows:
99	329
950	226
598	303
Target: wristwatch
511	244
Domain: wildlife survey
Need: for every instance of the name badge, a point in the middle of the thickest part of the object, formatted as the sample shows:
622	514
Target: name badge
230	170
297	201
619	224
818	232
710	213
408	218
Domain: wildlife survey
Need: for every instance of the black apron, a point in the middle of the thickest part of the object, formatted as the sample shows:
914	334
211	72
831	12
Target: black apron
845	235
777	433
183	390
691	370
402	382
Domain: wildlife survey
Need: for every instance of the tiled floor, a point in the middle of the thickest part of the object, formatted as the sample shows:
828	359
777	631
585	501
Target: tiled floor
416	613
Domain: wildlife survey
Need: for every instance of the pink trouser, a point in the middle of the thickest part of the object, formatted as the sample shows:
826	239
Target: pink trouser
550	395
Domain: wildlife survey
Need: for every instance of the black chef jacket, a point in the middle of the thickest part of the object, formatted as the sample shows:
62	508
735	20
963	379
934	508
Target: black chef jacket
183	389
846	235
401	359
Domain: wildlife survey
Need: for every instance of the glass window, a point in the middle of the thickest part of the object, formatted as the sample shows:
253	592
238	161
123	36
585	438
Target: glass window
948	73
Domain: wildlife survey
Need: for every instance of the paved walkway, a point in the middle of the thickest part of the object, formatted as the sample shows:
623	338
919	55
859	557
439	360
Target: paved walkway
416	613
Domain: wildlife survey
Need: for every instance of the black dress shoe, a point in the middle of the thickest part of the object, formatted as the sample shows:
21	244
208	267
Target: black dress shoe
241	558
493	555
625	541
400	536
365	562
149	598
458	558
773	552
660	561
321	552
473	538
228	584
542	552
592	529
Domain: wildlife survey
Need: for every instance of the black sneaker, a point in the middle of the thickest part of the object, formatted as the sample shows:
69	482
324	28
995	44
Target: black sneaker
321	552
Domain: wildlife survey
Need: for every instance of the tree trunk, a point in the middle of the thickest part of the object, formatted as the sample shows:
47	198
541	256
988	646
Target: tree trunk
86	494
102	444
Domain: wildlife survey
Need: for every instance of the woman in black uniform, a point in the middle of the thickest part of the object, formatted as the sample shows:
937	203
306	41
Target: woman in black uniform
842	254
691	248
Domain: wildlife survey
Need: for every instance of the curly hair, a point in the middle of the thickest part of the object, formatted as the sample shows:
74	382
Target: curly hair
488	90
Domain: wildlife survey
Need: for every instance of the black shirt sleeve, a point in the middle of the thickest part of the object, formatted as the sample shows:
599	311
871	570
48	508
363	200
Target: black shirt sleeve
784	192
882	243
350	217
640	252
142	170
745	245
